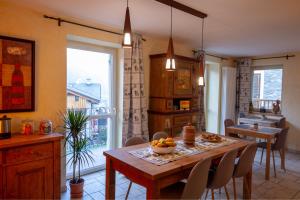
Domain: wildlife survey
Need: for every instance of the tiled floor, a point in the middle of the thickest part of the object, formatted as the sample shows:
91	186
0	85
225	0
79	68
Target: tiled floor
285	186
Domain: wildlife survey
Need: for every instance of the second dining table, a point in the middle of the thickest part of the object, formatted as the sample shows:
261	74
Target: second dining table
155	176
266	133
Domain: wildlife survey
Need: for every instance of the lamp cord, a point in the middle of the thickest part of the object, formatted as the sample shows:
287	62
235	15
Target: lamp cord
171	18
202	34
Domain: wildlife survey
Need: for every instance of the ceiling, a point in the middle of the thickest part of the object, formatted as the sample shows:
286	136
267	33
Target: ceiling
232	28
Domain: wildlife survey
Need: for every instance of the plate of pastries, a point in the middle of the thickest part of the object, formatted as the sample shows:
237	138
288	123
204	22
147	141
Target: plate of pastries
163	145
206	137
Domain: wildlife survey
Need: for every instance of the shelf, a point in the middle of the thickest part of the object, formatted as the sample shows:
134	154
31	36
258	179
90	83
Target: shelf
173	112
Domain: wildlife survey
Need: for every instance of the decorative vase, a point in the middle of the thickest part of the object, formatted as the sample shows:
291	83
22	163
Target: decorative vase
27	127
45	127
188	134
77	189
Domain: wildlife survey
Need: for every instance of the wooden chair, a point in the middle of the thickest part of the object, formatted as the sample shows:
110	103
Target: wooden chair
244	164
227	123
195	185
130	142
278	145
160	134
221	175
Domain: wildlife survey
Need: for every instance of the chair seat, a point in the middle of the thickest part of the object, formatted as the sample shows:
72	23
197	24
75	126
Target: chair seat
264	145
173	191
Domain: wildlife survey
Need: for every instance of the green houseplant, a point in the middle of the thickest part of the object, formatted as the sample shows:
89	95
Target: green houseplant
74	125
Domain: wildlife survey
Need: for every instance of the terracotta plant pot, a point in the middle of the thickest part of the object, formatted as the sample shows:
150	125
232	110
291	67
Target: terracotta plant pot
77	189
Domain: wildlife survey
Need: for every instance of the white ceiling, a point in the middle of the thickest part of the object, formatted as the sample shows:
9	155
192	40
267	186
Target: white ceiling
233	27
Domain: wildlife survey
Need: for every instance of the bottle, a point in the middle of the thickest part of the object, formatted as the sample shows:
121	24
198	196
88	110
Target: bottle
17	87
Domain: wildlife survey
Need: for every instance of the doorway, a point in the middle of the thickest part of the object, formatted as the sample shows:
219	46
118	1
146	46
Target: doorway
213	97
91	88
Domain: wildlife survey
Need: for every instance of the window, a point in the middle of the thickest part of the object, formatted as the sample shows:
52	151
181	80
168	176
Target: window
266	87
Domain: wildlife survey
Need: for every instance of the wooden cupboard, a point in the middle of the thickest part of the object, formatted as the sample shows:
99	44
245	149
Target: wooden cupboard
174	95
30	167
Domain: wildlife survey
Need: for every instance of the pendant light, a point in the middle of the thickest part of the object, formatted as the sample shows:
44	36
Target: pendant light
170	63
201	63
127	35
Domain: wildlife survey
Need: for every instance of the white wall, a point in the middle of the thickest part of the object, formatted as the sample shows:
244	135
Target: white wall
290	95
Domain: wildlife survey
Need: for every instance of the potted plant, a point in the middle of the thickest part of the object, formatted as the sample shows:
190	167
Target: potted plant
74	125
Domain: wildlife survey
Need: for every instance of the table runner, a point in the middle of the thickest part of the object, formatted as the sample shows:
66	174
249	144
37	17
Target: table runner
181	151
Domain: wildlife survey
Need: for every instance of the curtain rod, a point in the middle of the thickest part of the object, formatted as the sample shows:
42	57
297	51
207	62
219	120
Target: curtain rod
264	58
60	21
222	58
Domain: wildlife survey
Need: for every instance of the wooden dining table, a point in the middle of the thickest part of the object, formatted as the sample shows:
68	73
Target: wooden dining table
154	177
265	133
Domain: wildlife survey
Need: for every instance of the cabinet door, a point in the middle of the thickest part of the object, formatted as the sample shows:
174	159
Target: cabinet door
32	180
183	85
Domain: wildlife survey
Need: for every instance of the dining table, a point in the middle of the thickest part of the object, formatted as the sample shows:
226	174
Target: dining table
155	176
266	133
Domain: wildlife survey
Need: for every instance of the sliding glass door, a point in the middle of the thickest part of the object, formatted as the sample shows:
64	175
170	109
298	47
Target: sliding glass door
90	87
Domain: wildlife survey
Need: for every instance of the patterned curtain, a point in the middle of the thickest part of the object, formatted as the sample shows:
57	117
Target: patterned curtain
135	122
201	57
243	85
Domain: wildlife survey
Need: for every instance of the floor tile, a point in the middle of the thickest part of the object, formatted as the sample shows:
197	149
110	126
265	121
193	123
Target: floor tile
285	186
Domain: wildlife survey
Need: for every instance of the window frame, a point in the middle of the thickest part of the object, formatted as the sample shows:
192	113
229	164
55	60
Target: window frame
265	67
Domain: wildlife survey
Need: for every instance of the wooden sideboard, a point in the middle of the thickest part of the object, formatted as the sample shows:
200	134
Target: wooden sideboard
167	90
30	167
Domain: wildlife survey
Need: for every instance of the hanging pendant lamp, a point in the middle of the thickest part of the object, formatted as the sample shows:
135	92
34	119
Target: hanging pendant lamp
170	63
201	60
127	34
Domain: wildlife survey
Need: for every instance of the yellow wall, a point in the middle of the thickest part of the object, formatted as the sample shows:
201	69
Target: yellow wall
290	95
51	42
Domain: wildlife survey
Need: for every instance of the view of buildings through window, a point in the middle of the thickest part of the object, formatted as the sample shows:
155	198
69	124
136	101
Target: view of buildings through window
266	87
89	89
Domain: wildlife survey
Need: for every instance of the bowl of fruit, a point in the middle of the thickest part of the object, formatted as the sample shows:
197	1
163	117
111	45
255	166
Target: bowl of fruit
163	146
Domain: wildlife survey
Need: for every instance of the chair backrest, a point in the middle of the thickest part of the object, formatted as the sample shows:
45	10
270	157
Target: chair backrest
224	170
245	162
281	139
228	122
197	180
281	123
159	135
134	141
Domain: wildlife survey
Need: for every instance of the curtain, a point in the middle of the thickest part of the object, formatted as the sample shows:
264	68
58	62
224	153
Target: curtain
201	57
228	95
243	85
135	122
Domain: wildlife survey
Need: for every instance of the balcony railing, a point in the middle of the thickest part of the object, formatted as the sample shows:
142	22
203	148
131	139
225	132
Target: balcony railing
263	103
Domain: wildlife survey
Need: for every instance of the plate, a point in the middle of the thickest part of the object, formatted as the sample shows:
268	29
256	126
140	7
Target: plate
212	141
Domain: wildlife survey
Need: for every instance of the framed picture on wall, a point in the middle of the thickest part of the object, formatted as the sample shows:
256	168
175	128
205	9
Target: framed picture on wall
17	65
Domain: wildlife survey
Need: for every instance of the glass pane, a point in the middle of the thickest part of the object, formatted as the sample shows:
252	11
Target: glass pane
266	87
89	89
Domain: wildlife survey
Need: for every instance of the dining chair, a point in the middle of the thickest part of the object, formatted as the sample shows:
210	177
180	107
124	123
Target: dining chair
160	134
278	145
130	142
227	123
244	164
194	186
220	175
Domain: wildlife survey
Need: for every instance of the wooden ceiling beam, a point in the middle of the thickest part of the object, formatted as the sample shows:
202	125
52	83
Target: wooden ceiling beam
183	8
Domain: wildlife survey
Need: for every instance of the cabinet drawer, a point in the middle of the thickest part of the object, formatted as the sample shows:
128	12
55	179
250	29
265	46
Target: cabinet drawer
182	120
29	153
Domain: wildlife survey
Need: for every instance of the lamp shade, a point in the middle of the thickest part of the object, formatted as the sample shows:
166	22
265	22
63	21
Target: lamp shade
170	63
201	70
127	35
